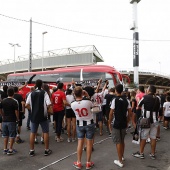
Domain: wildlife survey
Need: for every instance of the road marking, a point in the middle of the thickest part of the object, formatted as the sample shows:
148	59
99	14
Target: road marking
59	160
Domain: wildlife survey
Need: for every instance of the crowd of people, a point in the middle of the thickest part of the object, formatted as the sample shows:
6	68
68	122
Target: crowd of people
80	110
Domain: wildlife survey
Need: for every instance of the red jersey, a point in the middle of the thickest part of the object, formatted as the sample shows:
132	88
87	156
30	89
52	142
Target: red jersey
139	96
57	100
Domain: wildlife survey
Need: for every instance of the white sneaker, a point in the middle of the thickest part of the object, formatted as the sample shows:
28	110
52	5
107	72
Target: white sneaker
69	140
118	163
73	139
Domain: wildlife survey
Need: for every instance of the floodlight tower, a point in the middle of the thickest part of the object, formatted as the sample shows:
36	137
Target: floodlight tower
134	27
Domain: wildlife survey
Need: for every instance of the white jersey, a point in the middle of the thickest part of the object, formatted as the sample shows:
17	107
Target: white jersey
166	105
47	101
82	110
98	98
69	99
106	91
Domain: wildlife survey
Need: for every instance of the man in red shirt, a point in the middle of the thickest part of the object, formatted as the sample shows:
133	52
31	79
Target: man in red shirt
58	100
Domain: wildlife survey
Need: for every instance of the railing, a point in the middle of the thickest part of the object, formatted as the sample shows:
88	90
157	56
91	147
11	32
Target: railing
57	52
143	71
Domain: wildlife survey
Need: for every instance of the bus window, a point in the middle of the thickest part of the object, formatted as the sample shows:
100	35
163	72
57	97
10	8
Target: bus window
47	77
16	78
110	79
11	78
93	75
67	77
27	77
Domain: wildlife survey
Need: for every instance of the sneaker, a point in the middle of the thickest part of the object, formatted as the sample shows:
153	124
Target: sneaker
32	153
77	165
47	152
152	156
69	140
59	139
158	138
110	135
5	151
73	139
36	141
89	165
165	128
138	155
11	152
42	140
19	141
118	163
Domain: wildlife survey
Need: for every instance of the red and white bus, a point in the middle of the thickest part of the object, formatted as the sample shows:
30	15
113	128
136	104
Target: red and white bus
78	73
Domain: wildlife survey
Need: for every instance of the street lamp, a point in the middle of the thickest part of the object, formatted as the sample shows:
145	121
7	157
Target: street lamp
13	45
43	49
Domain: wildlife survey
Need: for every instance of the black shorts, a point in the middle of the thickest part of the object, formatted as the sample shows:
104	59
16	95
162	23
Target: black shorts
161	111
166	118
70	113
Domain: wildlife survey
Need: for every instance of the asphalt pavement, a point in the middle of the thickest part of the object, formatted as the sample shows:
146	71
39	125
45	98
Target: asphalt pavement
64	154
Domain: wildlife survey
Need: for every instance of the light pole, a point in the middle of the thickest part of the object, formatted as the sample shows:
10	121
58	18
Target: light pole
43	49
134	27
13	45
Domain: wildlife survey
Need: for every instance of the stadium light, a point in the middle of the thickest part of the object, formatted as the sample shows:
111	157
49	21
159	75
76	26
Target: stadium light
14	45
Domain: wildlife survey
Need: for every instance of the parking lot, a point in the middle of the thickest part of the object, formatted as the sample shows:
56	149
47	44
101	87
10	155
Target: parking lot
64	154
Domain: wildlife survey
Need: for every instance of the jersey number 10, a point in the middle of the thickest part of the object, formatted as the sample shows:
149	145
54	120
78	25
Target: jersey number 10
82	112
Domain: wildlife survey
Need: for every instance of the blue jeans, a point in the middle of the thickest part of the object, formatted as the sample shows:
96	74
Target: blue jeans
86	131
58	118
44	126
9	129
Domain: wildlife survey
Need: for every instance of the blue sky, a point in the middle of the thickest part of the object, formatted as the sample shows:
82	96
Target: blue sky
110	18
